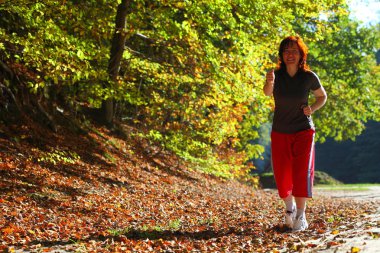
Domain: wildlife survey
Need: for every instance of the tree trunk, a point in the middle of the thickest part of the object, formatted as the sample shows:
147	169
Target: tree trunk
116	54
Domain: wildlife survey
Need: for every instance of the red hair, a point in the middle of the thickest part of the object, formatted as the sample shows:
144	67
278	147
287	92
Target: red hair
302	48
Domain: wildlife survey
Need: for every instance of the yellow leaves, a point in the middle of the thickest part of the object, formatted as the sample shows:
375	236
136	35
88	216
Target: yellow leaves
355	250
81	55
375	235
8	249
198	72
180	60
179	4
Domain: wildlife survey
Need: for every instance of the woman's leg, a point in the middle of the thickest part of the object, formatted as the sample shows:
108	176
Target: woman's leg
303	164
289	204
282	169
303	175
282	163
301	205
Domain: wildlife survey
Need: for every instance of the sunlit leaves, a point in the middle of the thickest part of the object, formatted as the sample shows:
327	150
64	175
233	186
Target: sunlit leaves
345	61
192	71
54	46
150	203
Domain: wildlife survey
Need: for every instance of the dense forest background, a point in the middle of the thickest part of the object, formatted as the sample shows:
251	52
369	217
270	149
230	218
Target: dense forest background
187	74
352	161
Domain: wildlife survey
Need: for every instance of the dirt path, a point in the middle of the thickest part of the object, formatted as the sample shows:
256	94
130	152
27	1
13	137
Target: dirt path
370	193
363	238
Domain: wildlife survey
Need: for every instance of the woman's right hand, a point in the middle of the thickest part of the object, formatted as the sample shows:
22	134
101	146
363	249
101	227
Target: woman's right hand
270	77
269	83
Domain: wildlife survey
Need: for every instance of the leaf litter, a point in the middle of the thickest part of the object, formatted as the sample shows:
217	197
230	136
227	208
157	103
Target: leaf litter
135	199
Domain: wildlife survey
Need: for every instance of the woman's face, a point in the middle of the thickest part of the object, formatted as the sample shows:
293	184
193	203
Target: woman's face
291	55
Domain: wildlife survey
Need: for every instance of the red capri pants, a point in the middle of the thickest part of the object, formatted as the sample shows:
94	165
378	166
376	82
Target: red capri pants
293	162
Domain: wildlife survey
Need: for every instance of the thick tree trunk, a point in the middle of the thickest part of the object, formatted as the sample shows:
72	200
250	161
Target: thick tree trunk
117	49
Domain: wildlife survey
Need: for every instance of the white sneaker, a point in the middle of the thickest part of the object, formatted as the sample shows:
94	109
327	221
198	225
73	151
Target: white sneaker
289	218
300	223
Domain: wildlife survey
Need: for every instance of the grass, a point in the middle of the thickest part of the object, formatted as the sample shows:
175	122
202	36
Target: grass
347	187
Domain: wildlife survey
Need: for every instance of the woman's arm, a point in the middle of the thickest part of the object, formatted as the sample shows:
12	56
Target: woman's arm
320	100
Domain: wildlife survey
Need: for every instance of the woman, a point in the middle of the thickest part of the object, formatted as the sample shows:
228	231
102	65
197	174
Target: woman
293	131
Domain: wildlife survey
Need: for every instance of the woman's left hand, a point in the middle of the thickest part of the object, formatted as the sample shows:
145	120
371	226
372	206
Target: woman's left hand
307	110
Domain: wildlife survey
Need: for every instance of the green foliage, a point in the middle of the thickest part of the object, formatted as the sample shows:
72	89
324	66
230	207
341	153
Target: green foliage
348	187
344	58
119	232
57	156
59	43
192	71
322	178
108	157
174	225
